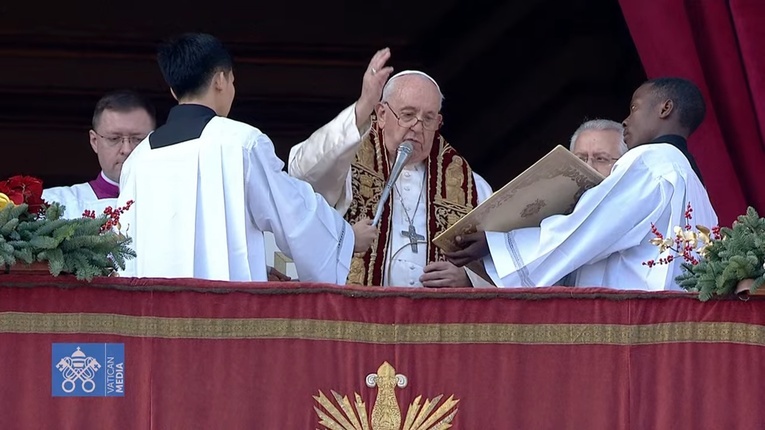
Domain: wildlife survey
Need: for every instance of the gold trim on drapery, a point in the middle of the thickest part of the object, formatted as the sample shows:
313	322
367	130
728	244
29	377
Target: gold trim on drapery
350	331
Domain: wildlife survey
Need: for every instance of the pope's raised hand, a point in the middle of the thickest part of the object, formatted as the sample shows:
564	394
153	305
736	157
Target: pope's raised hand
375	77
365	234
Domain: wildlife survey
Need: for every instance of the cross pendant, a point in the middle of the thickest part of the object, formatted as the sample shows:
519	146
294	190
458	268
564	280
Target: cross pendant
413	237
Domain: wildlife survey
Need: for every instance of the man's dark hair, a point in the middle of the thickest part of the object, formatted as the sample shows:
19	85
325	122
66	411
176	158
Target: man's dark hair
123	101
189	62
686	97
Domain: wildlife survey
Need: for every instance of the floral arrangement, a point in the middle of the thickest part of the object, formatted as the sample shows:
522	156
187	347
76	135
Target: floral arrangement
716	260
32	230
687	244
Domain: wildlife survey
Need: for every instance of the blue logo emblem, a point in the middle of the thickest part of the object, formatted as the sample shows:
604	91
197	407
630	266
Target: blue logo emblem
88	369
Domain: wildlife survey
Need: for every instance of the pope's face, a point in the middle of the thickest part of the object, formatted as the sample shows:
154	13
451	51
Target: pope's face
410	113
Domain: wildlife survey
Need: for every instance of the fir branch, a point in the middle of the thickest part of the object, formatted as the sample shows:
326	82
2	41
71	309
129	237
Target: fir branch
55	258
5	214
9	226
54	211
44	242
49	226
25	255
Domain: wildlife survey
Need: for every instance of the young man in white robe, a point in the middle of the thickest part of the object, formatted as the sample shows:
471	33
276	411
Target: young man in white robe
607	237
348	161
206	187
121	120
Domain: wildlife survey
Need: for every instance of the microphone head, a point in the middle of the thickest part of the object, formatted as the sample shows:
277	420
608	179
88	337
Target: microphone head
406	147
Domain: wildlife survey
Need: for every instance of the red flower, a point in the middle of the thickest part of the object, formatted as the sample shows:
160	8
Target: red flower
24	189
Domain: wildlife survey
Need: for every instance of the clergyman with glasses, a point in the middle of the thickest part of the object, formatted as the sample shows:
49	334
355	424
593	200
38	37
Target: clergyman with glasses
348	161
121	120
599	143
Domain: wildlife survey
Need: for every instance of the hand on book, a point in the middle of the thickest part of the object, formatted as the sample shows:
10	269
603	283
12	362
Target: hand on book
474	247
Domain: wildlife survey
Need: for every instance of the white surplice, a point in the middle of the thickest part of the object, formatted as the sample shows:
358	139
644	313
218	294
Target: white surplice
324	160
607	237
78	198
202	205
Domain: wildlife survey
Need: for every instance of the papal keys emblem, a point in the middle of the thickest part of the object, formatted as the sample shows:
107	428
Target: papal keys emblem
78	367
386	414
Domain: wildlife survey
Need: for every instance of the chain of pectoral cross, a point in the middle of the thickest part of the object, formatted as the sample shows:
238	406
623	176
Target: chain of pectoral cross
411	232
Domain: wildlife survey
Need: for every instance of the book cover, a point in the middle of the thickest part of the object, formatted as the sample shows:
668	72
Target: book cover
551	186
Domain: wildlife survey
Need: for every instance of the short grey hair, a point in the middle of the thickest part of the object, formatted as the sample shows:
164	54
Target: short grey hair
390	86
600	125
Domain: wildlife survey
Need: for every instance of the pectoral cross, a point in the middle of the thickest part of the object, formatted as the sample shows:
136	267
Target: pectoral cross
413	237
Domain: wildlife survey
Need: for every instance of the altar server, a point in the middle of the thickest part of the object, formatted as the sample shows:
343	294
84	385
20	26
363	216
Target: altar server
607	238
206	187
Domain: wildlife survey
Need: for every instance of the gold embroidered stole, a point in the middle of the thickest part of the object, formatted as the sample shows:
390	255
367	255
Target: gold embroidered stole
450	194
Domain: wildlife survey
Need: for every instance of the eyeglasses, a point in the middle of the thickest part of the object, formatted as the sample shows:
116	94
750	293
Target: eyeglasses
116	140
409	120
598	159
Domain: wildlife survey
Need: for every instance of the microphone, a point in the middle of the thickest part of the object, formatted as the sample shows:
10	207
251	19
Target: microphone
403	153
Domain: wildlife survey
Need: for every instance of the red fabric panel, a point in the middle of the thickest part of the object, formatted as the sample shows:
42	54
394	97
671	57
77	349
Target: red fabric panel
527	387
678	385
726	78
576	370
691	386
749	20
694	39
25	364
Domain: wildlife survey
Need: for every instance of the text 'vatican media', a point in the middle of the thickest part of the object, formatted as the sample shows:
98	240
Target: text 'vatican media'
88	370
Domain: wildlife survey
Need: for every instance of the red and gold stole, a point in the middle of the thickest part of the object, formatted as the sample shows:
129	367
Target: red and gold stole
450	195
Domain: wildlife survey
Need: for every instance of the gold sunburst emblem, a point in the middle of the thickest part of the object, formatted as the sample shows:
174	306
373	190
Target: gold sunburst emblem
386	415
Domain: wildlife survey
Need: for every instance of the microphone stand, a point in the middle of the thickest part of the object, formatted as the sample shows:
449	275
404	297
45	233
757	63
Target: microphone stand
403	153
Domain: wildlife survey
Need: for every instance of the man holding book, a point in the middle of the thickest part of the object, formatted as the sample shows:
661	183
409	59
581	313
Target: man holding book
607	237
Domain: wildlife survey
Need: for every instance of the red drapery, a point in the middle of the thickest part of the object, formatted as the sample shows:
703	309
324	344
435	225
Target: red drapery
212	355
719	45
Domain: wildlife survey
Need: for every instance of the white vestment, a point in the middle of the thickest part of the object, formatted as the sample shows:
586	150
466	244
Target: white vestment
202	205
324	160
607	237
78	198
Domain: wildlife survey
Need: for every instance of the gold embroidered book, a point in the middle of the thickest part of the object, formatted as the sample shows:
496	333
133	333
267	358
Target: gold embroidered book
550	186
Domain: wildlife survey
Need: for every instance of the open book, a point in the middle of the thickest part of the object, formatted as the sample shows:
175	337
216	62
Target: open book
550	186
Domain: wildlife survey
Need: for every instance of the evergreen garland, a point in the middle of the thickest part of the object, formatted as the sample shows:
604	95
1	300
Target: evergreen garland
85	247
738	255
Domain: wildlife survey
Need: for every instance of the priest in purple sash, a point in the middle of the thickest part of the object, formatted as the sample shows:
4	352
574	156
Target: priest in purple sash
121	120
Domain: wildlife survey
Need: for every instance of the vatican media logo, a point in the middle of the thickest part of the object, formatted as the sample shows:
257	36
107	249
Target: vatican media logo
88	370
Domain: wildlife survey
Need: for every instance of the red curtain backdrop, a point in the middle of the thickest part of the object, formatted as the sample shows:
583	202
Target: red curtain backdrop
212	355
719	45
